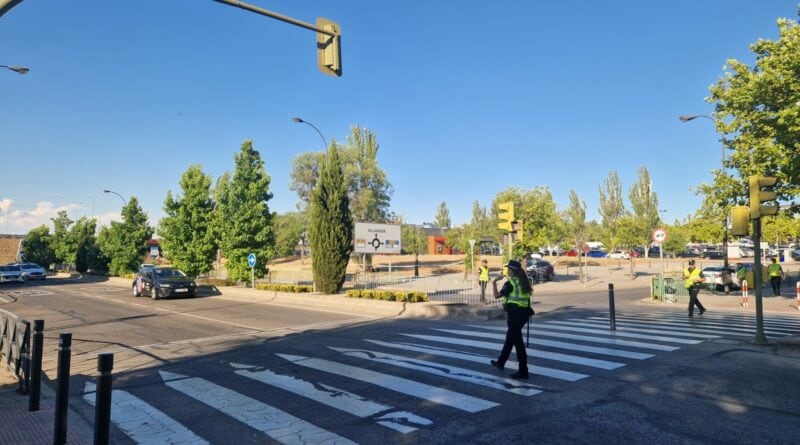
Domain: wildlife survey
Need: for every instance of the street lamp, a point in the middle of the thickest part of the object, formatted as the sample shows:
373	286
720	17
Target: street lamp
297	120
687	118
124	201
16	68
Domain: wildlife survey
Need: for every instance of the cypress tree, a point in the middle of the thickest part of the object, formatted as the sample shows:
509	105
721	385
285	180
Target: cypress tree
331	227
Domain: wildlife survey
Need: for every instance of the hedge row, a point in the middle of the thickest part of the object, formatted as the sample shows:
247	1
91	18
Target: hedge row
389	295
297	288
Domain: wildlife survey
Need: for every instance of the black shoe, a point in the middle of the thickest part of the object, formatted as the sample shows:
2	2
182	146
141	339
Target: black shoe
690	315
520	375
702	311
497	365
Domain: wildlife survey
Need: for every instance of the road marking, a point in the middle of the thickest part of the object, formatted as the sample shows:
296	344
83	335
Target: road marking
566	358
29	293
604	340
142	422
702	326
452	372
623	328
342	400
475	358
399	384
730	326
277	424
557	344
547	325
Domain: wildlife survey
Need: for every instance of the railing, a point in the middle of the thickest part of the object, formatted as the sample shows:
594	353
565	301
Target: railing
448	288
15	341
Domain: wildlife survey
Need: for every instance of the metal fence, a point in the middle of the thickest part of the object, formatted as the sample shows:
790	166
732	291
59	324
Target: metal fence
15	341
448	288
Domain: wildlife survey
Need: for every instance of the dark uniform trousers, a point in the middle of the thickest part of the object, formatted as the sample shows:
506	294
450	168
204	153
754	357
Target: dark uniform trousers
694	301
516	319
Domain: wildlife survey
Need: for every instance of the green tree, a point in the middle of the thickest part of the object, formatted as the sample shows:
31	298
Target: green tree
245	224
331	226
611	209
414	241
442	217
480	221
64	251
368	187
124	243
677	238
644	202
289	230
757	110
628	232
541	223
88	256
186	230
575	222
37	247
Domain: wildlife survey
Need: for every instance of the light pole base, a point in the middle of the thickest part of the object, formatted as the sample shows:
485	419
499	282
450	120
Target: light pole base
760	339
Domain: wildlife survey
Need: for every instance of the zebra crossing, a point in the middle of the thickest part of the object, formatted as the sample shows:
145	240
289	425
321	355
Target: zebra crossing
406	382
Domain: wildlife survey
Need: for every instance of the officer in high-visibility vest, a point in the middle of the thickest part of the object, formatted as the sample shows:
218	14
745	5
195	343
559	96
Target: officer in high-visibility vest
693	282
775	273
516	295
483	279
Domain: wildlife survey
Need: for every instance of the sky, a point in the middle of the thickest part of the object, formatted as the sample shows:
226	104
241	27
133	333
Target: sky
465	98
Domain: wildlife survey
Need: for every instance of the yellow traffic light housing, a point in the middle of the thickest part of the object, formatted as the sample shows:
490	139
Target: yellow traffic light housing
506	214
518	230
758	196
329	48
740	220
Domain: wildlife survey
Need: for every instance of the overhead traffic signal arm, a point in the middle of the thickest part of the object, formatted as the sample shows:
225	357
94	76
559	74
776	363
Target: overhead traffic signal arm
759	195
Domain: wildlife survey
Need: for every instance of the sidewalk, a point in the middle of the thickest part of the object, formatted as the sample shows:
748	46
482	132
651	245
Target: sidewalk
18	426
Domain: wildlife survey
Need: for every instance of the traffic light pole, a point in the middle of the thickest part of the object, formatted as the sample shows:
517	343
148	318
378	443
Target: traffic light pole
760	338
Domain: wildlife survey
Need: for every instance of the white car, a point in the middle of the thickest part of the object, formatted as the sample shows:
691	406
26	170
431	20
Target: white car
11	273
619	255
33	271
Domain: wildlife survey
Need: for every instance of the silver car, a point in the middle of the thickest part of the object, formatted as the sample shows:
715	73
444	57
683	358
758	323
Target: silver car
33	271
11	273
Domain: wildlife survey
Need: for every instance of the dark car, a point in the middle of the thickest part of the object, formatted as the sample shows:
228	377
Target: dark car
713	254
688	253
160	282
596	254
796	254
540	270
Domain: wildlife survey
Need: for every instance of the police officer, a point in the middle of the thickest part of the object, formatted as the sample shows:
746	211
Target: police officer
483	279
516	295
693	282
775	273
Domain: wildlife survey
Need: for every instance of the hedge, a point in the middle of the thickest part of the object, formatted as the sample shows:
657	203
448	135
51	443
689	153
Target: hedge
388	295
297	288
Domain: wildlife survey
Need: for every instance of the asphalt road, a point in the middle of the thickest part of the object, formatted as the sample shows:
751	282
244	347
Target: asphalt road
222	369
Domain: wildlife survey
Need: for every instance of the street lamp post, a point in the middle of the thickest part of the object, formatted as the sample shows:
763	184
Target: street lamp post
124	201
687	118
297	120
16	68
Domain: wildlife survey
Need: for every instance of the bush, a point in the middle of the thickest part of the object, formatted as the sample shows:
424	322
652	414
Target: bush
217	282
388	295
291	288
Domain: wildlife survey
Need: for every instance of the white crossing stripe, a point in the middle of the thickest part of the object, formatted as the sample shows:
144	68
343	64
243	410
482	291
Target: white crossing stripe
575	359
776	321
453	372
557	344
686	326
277	424
142	422
720	323
399	384
586	338
622	328
342	400
475	358
684	341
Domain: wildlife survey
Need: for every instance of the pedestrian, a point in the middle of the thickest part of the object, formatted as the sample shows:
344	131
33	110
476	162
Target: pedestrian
693	282
741	273
516	295
483	279
775	275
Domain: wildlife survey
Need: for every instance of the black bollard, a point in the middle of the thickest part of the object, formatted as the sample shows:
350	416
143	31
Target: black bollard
62	393
611	311
36	365
102	404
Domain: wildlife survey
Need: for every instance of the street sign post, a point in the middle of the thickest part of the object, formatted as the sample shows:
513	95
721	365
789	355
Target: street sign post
659	236
251	261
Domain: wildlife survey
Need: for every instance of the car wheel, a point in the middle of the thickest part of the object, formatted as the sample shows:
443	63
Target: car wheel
135	290
552	276
192	293
154	293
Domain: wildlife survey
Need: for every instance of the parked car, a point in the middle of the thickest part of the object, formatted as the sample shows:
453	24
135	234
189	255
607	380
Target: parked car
540	270
11	273
796	254
746	252
570	253
717	276
159	282
688	253
713	254
596	254
619	255
33	271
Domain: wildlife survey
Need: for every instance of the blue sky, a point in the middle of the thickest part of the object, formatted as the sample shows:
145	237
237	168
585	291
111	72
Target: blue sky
466	98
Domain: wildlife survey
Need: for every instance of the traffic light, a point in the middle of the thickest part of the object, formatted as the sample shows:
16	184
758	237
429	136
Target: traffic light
740	220
507	215
329	48
758	196
518	230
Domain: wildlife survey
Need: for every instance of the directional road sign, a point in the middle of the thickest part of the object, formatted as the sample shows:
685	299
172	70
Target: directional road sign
251	260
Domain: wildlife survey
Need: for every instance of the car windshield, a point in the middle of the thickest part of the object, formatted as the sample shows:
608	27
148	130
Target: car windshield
30	266
166	273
